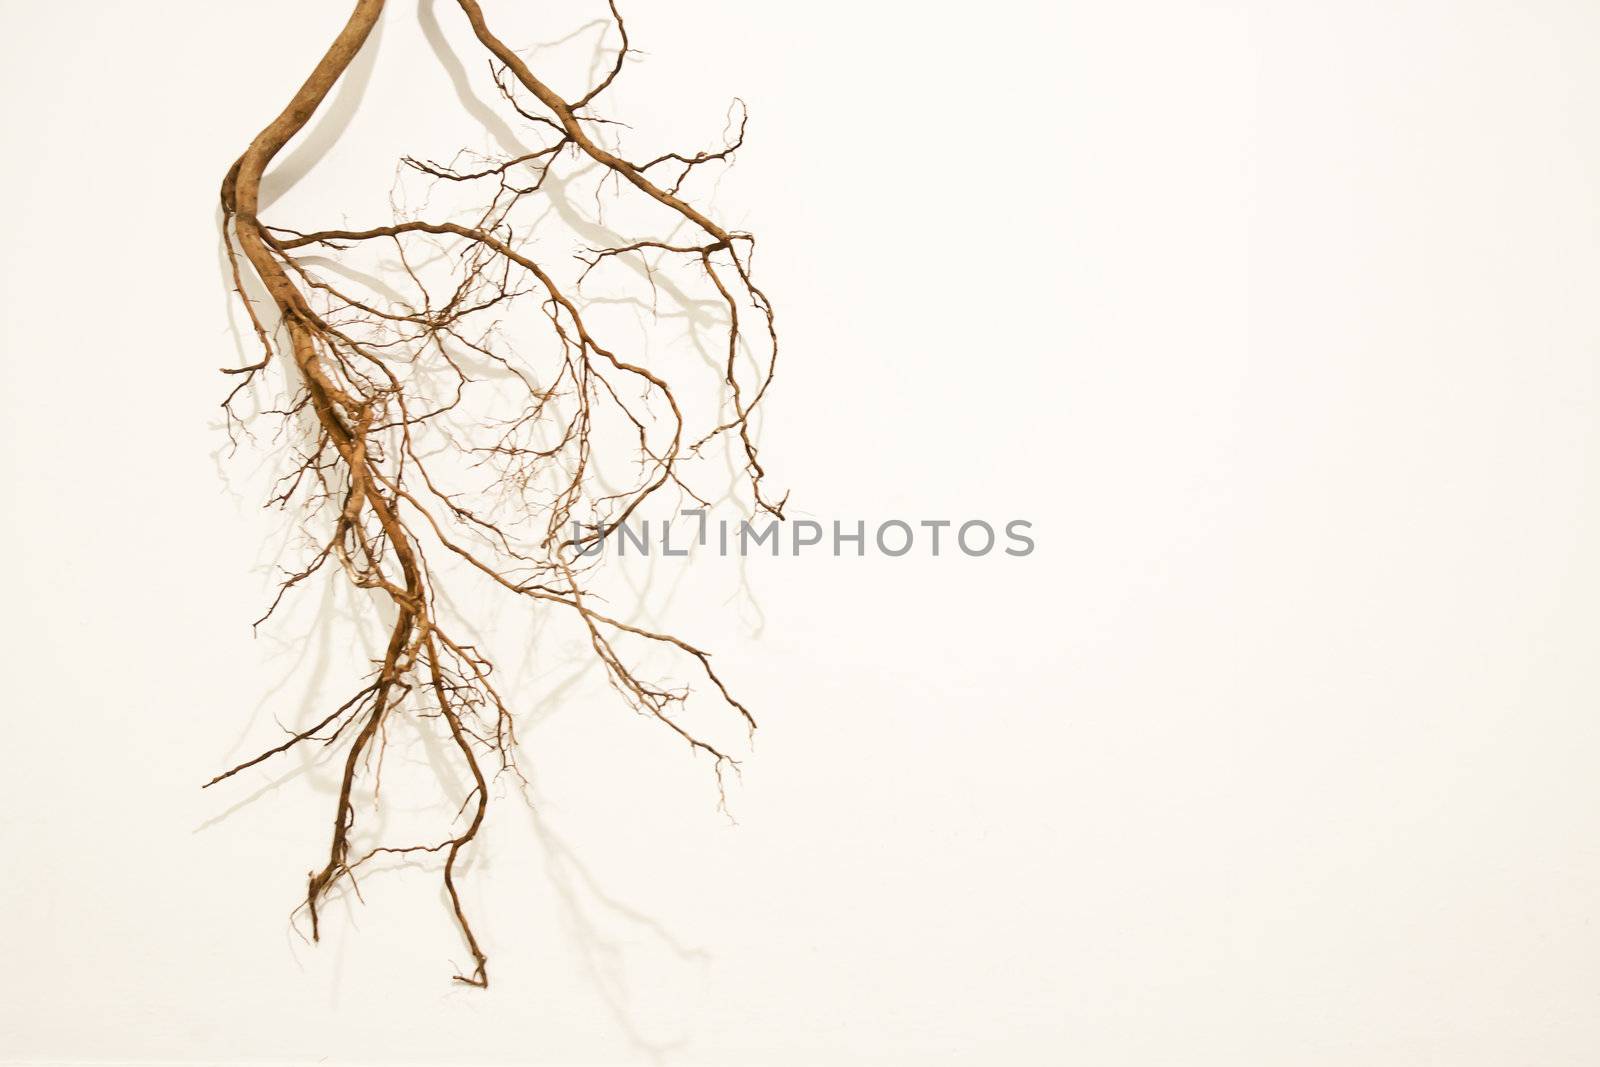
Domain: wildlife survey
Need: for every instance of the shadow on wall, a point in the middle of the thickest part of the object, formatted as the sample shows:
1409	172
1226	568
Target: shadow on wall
591	909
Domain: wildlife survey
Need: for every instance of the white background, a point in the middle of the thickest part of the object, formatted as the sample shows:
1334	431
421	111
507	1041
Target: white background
1277	319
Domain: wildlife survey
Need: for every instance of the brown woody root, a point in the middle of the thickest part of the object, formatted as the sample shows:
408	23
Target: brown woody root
376	382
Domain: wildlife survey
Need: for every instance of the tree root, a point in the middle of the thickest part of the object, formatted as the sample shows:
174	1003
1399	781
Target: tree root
388	476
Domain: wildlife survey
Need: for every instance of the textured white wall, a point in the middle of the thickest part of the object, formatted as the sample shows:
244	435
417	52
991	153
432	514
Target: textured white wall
1277	318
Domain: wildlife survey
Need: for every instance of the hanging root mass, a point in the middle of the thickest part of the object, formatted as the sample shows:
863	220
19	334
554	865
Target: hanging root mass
431	436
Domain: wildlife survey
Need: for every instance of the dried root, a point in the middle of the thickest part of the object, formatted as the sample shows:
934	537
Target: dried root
403	464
